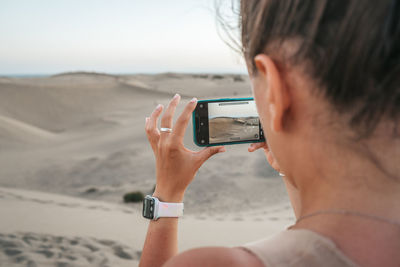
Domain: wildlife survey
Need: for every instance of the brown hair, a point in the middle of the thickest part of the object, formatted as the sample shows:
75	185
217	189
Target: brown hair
353	47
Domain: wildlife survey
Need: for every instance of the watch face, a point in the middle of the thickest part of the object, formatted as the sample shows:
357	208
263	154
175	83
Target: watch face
148	207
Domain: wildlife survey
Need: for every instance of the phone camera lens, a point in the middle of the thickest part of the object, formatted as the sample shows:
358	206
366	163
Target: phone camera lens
201	123
202	141
201	106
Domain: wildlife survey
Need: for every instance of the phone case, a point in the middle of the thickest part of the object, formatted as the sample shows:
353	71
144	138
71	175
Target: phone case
221	144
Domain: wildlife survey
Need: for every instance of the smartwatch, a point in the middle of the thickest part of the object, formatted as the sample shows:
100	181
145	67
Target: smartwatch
153	208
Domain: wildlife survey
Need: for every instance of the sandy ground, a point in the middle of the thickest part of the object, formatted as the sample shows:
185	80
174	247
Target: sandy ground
71	145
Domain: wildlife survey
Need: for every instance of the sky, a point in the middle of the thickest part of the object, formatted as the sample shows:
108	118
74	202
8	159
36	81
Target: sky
120	36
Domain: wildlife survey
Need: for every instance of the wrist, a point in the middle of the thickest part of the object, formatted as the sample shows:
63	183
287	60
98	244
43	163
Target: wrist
165	196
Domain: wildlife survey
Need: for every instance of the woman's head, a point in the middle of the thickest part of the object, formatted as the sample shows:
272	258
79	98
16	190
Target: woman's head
326	80
348	49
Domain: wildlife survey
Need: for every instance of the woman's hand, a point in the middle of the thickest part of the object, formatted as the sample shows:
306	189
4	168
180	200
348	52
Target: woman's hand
176	165
270	158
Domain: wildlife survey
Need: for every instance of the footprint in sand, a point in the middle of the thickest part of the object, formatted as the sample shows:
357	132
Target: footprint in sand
32	249
12	252
120	252
47	253
98	208
127	211
68	205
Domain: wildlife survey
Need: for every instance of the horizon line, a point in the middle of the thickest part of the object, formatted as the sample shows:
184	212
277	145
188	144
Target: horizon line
47	74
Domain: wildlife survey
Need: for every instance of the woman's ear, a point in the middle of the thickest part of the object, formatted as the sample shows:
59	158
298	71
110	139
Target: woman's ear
278	97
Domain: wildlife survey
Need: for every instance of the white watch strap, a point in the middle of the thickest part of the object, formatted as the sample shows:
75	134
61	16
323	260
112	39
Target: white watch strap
165	209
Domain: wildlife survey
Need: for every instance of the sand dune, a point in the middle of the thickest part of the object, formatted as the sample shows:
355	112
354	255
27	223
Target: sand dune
95	125
41	229
14	131
81	135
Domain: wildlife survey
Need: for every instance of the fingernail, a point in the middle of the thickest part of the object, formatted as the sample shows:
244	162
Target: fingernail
193	100
158	106
222	149
176	96
146	119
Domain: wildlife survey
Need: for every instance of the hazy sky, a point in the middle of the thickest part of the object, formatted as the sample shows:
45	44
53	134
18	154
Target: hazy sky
120	36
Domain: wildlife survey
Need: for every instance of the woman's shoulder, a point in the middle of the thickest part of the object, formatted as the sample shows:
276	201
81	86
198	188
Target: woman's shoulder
298	247
215	256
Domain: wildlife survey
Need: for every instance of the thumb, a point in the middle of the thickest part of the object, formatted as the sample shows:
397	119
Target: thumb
206	153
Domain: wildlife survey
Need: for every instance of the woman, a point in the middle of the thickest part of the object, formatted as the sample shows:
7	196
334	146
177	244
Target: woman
326	81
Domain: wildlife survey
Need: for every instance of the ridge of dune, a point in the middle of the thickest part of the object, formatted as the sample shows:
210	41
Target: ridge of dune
80	73
4	79
22	131
135	83
141	86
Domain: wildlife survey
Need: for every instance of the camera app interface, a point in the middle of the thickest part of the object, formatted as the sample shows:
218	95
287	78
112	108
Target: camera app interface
233	121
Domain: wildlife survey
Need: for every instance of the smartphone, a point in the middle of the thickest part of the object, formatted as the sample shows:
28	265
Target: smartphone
226	121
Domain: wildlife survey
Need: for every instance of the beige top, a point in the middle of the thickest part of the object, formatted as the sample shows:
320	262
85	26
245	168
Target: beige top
298	248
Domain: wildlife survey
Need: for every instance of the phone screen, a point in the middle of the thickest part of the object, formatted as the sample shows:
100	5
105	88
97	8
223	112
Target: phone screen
232	121
227	121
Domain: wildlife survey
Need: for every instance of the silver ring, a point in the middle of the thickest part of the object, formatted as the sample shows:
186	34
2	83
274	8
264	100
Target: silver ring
167	130
281	174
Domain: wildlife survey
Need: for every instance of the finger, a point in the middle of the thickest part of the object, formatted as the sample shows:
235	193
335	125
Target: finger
152	139
254	146
154	117
208	152
152	132
183	120
166	120
272	162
